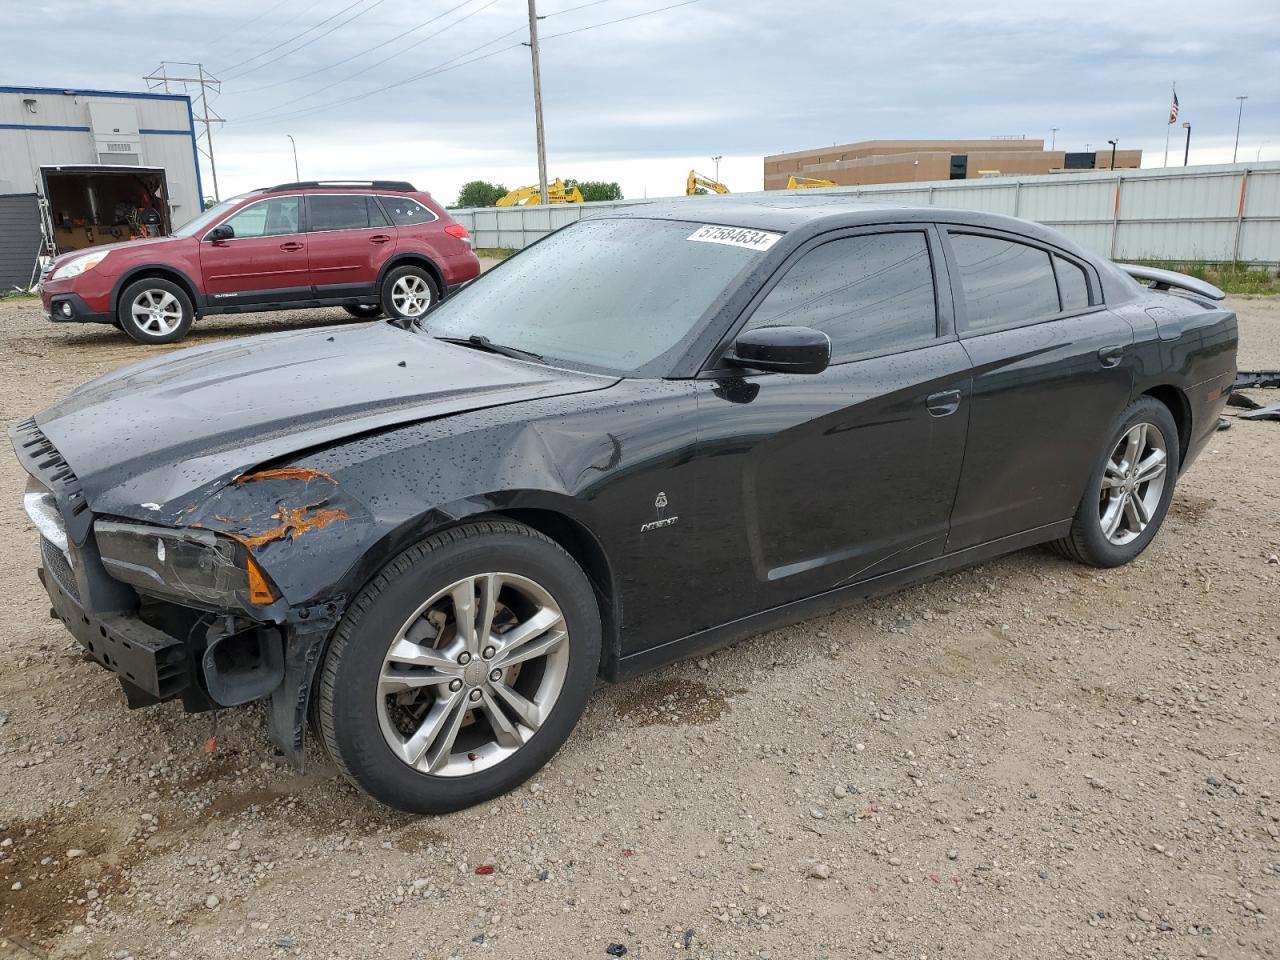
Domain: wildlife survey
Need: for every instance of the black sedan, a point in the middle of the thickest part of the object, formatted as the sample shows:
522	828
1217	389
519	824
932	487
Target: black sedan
648	435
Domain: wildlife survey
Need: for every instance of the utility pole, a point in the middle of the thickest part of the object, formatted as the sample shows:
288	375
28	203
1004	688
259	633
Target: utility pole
1053	137
296	175
1113	152
716	160
537	101
161	77
1239	117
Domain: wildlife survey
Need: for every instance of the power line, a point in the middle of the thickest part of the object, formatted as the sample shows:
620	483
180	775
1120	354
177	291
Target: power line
318	36
356	56
293	38
239	28
450	64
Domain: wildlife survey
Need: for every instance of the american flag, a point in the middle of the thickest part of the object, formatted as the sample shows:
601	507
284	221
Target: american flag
1173	109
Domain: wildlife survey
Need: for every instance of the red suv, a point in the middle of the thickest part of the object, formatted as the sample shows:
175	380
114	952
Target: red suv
370	247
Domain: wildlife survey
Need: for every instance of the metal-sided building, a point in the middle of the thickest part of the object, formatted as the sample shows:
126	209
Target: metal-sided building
83	167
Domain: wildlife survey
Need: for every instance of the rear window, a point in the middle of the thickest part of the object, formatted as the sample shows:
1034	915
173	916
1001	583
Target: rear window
338	212
1005	283
405	212
1073	284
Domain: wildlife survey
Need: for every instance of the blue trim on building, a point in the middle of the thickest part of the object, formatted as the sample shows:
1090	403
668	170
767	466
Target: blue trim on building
195	156
165	133
55	128
65	92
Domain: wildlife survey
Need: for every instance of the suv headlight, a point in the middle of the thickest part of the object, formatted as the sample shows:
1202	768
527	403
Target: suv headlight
78	265
196	567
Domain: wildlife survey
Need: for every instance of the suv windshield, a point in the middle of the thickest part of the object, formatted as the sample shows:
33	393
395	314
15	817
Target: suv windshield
195	224
621	296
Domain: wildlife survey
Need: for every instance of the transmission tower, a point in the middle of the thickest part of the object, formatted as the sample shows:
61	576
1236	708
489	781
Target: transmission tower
164	77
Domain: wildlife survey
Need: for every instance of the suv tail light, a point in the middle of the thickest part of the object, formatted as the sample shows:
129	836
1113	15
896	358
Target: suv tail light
457	230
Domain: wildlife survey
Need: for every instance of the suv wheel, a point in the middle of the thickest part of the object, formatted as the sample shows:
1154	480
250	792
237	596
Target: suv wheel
461	668
154	310
408	292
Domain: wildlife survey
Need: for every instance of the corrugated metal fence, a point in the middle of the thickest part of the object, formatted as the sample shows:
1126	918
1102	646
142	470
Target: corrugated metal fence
20	239
1215	213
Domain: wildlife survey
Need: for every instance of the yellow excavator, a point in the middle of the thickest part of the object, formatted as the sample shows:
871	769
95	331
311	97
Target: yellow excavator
556	193
809	183
697	180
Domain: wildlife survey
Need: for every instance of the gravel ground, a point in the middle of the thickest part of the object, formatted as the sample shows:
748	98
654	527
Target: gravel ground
1024	759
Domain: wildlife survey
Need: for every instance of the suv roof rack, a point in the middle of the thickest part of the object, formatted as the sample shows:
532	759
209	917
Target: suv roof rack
399	185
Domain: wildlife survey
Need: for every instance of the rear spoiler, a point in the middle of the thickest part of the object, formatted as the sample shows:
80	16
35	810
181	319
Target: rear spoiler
1169	279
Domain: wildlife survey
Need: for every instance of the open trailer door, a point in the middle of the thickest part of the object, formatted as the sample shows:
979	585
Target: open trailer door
87	205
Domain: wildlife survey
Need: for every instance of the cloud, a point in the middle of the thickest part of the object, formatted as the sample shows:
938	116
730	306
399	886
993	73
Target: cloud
643	100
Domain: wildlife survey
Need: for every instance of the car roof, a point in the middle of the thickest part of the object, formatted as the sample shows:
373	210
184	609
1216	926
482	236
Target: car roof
787	212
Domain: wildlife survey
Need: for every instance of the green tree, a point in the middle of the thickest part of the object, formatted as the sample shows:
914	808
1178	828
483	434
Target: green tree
598	190
480	193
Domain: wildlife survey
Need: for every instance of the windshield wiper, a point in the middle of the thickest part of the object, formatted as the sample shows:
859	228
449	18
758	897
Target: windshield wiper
484	343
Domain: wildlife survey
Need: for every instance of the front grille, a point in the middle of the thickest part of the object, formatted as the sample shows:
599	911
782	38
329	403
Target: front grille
56	565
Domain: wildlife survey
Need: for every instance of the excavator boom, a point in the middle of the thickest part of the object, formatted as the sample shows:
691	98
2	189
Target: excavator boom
809	183
556	193
696	180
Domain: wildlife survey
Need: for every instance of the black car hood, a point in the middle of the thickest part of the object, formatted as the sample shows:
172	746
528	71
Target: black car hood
147	435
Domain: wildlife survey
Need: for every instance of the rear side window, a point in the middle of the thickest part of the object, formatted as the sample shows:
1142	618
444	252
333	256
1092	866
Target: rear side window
376	217
1005	283
405	212
1073	285
266	218
342	212
870	294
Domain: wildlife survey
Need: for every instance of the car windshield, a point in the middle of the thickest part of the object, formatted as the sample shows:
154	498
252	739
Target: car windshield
199	222
621	296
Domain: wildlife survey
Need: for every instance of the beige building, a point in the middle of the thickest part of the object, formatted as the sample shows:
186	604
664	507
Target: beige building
901	161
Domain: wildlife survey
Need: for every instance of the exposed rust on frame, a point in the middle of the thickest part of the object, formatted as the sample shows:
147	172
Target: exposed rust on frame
286	473
294	522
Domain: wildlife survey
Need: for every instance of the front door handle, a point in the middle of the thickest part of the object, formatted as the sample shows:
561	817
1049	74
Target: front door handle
1110	356
291	246
379	238
943	403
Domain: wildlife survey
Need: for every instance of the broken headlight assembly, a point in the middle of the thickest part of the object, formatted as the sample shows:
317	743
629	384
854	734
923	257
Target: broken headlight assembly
193	567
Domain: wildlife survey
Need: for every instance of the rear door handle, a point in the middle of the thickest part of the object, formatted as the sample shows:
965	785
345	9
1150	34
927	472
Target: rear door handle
291	246
379	238
943	403
1110	356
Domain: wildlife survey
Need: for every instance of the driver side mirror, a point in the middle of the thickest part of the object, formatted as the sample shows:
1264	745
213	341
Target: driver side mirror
223	231
782	349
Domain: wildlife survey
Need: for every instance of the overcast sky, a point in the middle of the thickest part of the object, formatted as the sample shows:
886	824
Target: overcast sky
641	101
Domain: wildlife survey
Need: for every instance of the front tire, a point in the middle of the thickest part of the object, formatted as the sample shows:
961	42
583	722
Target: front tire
364	311
1130	489
155	310
408	292
461	669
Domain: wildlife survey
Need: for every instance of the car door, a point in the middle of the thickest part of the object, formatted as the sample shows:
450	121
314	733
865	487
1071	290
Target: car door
1052	368
350	238
265	261
828	479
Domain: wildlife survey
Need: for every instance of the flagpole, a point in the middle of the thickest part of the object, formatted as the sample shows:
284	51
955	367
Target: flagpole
1168	127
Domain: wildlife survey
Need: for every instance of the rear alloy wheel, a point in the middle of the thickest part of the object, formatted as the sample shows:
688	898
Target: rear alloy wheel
461	669
154	310
1129	492
364	311
408	293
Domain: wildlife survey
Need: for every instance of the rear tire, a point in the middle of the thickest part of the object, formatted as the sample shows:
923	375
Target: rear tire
1129	490
364	311
407	696
408	292
154	310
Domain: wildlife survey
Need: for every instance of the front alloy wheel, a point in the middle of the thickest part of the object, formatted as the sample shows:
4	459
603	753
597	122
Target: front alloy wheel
461	668
472	674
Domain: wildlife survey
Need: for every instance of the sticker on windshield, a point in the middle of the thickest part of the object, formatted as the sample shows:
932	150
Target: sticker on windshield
736	237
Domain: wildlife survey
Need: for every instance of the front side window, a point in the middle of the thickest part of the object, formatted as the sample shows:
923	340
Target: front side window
624	296
340	212
405	212
1005	283
266	218
871	293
